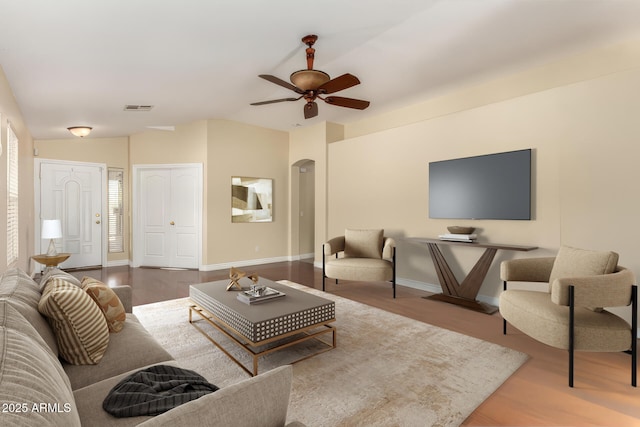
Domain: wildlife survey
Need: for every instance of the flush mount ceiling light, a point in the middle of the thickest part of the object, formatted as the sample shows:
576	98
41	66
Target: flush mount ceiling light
80	131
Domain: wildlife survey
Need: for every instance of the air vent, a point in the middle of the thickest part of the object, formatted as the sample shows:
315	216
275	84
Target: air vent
132	107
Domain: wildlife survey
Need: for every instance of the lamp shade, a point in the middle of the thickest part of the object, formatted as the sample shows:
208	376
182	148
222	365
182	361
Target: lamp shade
51	229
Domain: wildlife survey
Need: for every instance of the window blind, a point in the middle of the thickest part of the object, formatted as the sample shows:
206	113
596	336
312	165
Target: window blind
116	217
12	199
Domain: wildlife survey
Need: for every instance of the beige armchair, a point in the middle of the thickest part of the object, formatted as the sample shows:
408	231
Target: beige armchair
363	255
569	312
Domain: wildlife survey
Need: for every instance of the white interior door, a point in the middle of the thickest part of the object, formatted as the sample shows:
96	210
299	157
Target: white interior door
185	217
73	193
153	204
168	204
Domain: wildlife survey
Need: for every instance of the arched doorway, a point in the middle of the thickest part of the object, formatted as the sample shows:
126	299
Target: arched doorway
303	210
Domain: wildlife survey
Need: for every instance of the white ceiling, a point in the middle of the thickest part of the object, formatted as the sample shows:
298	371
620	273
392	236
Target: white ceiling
79	62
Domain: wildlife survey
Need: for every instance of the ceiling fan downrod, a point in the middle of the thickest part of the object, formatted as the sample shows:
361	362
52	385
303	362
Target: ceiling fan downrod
310	41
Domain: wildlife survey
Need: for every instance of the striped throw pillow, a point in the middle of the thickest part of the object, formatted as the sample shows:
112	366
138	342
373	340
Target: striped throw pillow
80	327
108	301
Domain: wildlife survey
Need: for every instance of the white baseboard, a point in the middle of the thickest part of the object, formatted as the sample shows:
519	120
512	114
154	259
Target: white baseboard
227	265
301	257
423	286
436	289
118	263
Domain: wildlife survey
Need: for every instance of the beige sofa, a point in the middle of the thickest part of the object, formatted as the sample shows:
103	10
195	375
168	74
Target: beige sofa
38	388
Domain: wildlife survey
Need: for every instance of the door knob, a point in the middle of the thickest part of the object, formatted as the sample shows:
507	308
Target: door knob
98	222
172	223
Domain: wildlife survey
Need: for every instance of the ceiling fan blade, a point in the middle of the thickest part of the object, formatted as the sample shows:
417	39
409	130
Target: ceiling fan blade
280	82
358	104
273	101
342	82
310	110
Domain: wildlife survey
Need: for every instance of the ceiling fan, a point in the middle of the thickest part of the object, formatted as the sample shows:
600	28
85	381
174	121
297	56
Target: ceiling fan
311	84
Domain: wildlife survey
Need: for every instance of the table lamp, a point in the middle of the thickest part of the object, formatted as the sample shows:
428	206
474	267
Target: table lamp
51	229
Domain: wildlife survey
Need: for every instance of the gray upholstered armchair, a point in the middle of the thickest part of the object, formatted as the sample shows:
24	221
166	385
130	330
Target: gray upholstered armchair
363	255
569	312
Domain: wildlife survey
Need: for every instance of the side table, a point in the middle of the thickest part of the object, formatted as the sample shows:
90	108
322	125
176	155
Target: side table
51	261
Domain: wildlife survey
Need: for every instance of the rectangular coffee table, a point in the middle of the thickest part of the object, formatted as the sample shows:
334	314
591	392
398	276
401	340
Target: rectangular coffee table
260	329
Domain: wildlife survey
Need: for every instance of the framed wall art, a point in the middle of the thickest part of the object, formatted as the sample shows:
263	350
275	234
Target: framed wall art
251	199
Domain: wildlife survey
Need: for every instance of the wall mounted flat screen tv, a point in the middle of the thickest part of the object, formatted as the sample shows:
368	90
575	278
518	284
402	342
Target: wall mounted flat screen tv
493	186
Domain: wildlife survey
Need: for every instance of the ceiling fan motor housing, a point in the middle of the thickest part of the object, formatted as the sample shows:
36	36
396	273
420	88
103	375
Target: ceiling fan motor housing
309	79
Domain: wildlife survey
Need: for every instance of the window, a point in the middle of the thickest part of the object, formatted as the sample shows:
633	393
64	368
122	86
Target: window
12	198
116	218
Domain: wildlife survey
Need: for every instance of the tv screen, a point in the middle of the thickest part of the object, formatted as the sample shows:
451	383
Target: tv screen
493	186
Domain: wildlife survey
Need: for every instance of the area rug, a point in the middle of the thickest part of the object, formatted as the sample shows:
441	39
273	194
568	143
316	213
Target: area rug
387	370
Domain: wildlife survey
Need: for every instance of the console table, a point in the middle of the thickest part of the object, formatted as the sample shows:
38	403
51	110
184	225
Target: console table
464	293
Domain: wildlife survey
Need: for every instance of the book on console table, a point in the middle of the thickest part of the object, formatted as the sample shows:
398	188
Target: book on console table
248	297
459	237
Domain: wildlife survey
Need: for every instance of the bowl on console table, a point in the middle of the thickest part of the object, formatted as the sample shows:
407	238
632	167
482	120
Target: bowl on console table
455	229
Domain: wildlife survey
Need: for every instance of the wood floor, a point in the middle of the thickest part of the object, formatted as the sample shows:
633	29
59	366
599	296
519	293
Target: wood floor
537	394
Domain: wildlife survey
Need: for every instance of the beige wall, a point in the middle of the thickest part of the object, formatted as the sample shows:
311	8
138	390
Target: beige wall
306	212
185	144
236	149
579	116
113	152
311	143
10	114
302	205
580	67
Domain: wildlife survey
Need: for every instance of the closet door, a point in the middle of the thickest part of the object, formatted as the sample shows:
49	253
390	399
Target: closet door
185	213
168	205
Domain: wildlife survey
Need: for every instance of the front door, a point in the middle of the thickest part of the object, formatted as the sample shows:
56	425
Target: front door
73	193
168	204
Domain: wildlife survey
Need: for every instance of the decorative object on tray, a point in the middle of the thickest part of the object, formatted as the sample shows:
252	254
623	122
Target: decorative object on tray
459	234
258	290
457	229
258	294
235	275
254	278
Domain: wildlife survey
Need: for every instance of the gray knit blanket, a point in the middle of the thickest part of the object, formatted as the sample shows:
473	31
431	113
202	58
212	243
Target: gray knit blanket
155	390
